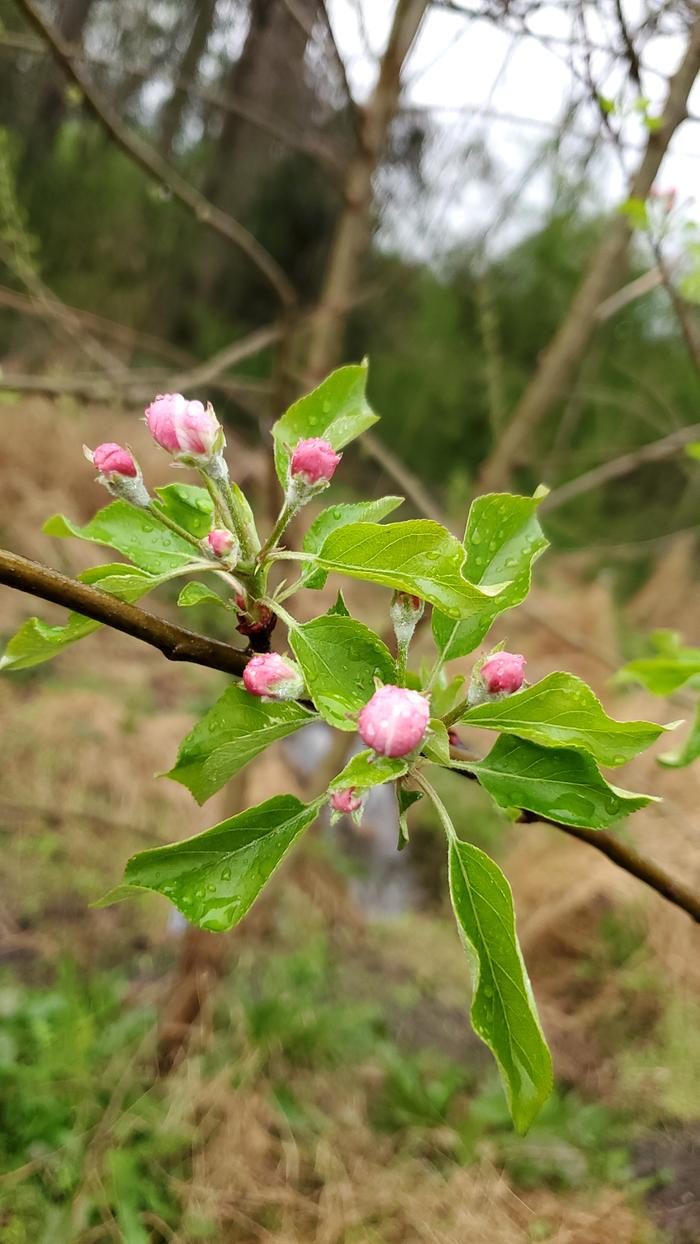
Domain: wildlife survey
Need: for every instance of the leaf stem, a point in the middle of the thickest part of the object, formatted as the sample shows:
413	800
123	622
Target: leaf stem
284	518
178	530
439	806
275	606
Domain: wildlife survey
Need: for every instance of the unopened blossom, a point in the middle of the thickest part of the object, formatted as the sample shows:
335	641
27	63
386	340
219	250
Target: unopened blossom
394	722
347	801
222	542
503	673
119	471
186	429
274	677
314	461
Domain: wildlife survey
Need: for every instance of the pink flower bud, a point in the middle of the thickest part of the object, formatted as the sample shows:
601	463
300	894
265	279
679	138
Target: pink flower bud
221	541
314	461
271	675
503	673
394	721
346	801
112	459
183	428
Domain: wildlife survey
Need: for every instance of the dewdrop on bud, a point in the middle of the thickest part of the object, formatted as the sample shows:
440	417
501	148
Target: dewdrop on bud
348	802
273	677
223	544
185	429
500	674
119	472
394	722
405	612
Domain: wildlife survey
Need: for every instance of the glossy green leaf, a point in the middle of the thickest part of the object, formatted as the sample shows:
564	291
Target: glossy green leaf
367	769
437	744
557	783
235	730
406	799
189	505
562	711
215	877
37	641
337	410
689	750
502	541
419	557
135	533
340	658
197	594
340	516
503	1011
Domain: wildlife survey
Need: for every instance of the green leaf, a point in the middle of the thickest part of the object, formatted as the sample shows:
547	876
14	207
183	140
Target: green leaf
188	505
446	694
235	730
556	783
37	641
406	799
197	594
503	1011
662	675
689	751
437	745
367	769
419	557
215	877
339	609
337	410
135	533
340	516
562	711
340	659
503	539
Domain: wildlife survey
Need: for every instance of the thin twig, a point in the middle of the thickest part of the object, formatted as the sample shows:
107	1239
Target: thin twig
654	451
152	163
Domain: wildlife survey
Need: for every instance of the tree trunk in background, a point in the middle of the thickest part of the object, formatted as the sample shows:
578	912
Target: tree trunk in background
353	228
51	86
560	360
171	113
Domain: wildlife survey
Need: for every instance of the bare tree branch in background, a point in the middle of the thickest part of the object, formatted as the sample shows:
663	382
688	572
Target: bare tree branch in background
563	355
352	229
158	168
171	113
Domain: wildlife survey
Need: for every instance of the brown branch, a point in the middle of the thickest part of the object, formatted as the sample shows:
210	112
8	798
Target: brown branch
175	643
655	451
563	355
152	163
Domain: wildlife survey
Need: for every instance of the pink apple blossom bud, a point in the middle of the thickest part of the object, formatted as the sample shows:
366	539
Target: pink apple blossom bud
394	722
503	673
185	428
346	801
111	459
314	461
270	675
222	542
119	472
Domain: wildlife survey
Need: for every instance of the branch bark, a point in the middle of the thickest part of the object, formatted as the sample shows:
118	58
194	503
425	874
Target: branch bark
561	358
354	223
178	644
152	163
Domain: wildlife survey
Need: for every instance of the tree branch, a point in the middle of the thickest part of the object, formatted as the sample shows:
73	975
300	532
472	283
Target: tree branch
178	644
152	163
175	643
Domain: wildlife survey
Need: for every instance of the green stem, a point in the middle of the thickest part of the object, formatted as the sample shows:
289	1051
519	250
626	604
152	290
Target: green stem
439	806
284	517
401	662
456	713
285	593
434	672
275	606
179	531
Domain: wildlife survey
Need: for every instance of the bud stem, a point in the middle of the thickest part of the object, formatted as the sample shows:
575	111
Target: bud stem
285	516
170	522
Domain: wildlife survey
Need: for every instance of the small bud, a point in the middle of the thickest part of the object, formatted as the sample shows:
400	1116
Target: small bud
263	622
348	802
119	472
223	544
314	462
185	429
273	677
405	612
501	674
394	722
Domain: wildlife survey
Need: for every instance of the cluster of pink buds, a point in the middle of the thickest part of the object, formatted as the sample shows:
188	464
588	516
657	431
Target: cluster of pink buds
273	677
348	802
395	721
187	430
119	472
501	674
224	545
